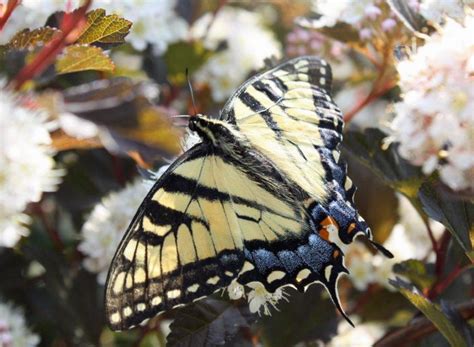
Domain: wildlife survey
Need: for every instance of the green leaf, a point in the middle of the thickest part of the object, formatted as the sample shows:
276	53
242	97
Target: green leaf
207	322
415	271
372	191
455	214
81	58
304	317
184	55
103	30
431	311
368	147
27	38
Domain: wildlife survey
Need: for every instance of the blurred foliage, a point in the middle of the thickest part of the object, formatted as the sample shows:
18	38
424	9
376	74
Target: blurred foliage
71	70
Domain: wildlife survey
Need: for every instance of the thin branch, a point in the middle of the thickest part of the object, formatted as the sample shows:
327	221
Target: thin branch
419	328
434	243
69	33
441	252
11	5
52	231
374	94
441	285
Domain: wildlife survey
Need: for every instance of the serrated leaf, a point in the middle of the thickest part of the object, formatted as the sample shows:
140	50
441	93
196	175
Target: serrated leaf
368	147
455	214
27	38
206	323
415	271
104	30
431	311
184	55
81	58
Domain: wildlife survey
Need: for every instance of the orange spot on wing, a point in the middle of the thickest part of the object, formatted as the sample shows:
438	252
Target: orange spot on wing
324	234
351	228
328	220
335	254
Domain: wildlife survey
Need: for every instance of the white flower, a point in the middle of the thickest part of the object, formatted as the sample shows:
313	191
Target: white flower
348	11
363	335
235	290
154	22
32	14
107	224
434	123
436	10
13	329
358	260
248	44
259	297
26	165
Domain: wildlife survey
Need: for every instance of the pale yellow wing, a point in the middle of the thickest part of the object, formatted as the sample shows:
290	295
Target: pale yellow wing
287	114
190	235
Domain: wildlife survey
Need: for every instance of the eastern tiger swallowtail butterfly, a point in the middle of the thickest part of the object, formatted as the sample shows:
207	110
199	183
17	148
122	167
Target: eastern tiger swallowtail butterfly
263	198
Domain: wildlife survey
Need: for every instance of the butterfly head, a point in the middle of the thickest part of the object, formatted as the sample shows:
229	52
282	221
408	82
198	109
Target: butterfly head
212	130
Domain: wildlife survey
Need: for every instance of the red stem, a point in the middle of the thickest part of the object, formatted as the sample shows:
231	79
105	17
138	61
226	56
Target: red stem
373	95
11	5
441	285
52	232
434	243
441	253
47	55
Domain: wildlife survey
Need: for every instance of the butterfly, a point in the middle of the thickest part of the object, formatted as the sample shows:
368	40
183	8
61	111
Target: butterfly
262	199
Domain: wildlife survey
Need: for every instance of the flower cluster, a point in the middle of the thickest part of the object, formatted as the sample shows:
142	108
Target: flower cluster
106	225
364	334
247	44
368	16
258	297
33	14
13	329
434	122
436	10
27	168
154	22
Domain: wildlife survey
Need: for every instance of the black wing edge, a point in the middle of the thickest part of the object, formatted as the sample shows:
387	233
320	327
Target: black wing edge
314	63
199	150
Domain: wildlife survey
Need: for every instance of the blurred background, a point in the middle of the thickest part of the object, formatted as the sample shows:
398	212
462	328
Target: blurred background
89	94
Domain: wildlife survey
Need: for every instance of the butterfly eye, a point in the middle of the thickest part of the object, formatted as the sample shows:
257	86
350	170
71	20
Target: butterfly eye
192	124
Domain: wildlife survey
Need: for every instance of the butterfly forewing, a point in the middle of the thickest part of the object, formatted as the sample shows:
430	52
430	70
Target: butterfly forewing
189	237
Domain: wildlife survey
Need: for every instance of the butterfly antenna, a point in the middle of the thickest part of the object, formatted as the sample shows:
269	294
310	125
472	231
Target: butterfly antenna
191	91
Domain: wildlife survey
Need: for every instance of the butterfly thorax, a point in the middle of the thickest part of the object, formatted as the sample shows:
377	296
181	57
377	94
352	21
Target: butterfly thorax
217	132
